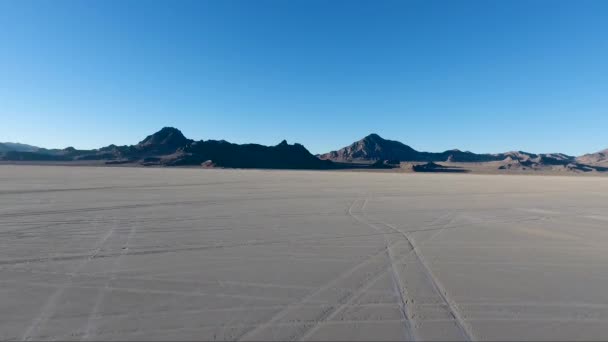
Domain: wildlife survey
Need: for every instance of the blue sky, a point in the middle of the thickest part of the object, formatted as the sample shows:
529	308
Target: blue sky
485	76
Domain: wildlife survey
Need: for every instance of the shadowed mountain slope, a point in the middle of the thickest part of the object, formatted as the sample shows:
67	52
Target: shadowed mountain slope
223	153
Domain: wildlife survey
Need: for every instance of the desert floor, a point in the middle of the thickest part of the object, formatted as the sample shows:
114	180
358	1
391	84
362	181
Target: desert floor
182	254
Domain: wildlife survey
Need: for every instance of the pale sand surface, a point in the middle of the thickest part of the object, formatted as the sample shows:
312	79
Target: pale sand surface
183	254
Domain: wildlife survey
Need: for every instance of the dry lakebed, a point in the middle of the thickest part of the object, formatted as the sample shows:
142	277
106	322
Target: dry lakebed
118	253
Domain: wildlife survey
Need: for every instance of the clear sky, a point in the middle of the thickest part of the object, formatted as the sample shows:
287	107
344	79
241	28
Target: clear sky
485	76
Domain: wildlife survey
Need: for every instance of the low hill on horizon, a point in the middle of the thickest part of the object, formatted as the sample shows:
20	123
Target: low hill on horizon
11	146
598	158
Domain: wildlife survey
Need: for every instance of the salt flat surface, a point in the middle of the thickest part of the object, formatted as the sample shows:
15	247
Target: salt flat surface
185	254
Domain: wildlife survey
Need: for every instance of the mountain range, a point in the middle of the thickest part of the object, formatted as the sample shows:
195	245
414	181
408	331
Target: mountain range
169	147
374	148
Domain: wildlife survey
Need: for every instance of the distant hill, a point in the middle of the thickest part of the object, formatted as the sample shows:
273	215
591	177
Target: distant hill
599	158
8	146
373	148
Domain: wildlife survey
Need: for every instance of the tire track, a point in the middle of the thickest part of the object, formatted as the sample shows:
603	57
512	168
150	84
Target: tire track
331	311
97	209
464	327
228	283
49	308
90	325
146	186
249	243
349	303
329	285
187	249
151	291
224	201
453	218
409	332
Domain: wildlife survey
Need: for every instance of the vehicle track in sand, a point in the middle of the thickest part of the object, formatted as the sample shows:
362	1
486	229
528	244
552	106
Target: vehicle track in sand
307	330
399	290
333	283
50	306
463	326
95	310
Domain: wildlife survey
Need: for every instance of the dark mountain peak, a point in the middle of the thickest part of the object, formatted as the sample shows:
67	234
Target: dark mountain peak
295	148
376	140
168	138
373	137
372	148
